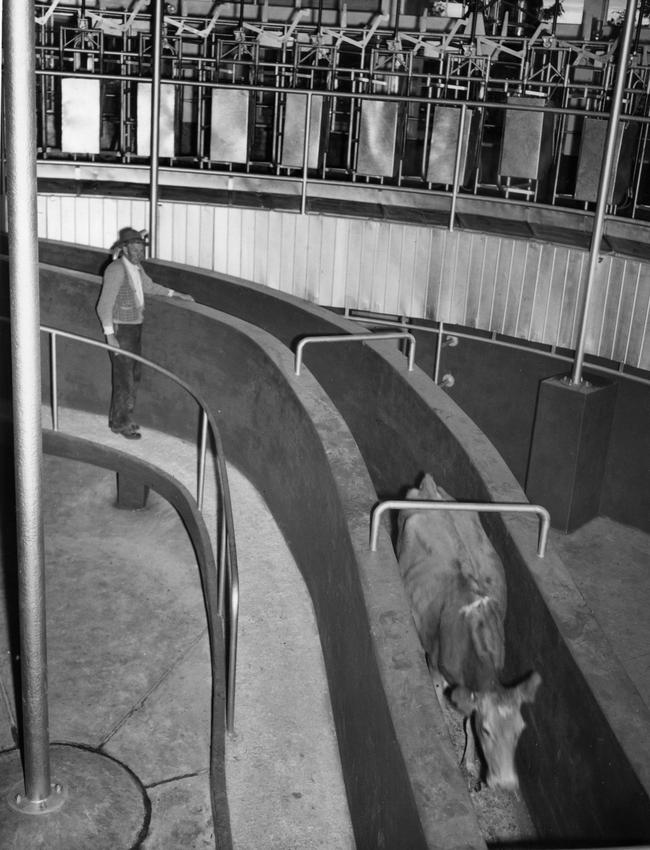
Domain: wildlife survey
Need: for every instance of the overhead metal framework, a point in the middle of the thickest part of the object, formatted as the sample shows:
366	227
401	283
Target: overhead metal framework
385	103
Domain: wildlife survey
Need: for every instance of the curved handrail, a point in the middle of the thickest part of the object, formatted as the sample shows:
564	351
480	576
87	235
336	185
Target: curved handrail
225	535
486	507
366	337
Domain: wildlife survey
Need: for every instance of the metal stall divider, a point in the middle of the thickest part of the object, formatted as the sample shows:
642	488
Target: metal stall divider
80	115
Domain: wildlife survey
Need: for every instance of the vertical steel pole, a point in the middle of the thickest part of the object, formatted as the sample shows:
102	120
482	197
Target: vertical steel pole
156	43
603	188
20	76
459	152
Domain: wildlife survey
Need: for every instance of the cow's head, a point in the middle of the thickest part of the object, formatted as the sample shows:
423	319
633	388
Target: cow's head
496	715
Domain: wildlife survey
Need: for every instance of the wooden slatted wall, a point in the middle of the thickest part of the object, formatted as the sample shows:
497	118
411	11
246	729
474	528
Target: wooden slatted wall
527	290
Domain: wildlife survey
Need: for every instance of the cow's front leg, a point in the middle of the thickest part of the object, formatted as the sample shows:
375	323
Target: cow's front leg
470	759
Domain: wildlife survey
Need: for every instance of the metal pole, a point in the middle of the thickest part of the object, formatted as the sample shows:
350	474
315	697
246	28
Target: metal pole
436	371
603	188
53	383
305	155
20	104
155	127
459	152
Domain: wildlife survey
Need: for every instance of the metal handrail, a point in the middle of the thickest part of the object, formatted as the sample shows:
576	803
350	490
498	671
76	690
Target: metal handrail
375	319
356	338
484	507
227	556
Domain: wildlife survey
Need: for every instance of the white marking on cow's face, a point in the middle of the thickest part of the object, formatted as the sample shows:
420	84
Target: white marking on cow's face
472	606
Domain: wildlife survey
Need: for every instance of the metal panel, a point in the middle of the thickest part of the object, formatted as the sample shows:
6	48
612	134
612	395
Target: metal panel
229	126
521	145
166	122
80	115
590	160
444	141
293	142
377	138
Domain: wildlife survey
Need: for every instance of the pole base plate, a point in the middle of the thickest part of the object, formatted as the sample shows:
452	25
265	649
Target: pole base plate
100	804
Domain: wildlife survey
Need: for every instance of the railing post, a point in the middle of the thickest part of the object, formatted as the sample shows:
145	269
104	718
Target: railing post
232	651
221	577
200	487
54	391
436	371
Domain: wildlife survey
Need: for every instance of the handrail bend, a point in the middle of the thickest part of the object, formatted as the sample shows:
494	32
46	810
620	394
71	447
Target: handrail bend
485	507
227	555
356	338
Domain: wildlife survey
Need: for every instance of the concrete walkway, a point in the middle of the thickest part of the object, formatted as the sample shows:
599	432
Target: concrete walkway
129	664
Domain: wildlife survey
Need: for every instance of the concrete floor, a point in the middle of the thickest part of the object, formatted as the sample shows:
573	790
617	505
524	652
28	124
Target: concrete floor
129	668
610	564
128	652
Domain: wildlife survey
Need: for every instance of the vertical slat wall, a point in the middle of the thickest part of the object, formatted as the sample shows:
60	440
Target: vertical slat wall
523	289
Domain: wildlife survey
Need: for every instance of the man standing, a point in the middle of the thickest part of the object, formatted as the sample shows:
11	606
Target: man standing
121	311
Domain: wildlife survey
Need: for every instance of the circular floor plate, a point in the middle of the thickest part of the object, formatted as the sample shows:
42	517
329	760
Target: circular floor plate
105	805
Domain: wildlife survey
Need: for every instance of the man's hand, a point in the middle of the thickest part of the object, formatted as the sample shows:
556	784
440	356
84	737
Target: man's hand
111	339
182	295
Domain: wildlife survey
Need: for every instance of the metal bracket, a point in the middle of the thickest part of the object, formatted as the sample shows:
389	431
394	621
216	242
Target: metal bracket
19	802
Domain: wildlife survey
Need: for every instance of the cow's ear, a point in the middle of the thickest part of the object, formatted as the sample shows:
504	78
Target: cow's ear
528	688
462	699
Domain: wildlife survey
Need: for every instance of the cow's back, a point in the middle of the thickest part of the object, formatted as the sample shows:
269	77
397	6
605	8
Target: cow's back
448	563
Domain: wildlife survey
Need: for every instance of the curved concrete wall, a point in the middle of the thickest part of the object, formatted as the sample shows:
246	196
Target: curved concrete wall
402	782
582	780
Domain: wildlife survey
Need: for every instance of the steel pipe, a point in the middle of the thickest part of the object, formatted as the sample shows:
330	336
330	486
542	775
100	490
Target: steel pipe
305	155
368	337
20	103
480	507
603	187
54	386
154	137
225	550
436	371
457	162
200	489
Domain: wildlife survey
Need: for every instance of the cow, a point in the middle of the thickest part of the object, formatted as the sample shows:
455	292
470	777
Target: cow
456	586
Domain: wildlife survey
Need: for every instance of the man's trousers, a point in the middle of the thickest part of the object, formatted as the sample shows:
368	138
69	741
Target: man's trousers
126	376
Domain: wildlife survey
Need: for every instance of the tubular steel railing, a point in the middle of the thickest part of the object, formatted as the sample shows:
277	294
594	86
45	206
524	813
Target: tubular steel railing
369	337
226	559
366	318
480	507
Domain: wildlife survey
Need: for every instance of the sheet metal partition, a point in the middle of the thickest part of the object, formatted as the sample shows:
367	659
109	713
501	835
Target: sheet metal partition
377	138
80	115
445	130
230	125
293	137
523	143
166	121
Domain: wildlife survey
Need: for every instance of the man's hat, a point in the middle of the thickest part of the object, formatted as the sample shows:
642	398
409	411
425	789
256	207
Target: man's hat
130	234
